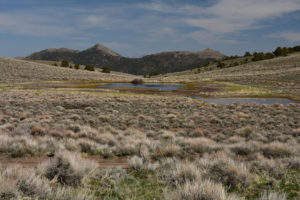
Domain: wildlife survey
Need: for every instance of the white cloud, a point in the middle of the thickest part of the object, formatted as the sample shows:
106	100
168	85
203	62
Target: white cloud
224	17
26	25
207	38
155	21
290	36
97	21
228	16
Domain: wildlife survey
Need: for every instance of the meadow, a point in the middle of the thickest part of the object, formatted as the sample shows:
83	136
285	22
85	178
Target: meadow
59	145
63	138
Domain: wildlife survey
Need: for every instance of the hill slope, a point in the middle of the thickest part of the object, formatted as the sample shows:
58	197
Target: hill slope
276	69
12	70
101	56
280	74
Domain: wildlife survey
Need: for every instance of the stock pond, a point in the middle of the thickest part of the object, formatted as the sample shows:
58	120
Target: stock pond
173	87
154	86
244	100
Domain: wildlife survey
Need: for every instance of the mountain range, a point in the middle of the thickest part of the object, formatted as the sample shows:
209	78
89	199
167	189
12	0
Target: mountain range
100	56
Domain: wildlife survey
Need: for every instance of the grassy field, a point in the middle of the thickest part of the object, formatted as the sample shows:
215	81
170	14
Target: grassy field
12	70
62	139
280	75
175	148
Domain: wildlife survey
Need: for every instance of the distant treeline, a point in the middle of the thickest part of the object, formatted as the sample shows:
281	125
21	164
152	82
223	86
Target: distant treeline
257	56
88	67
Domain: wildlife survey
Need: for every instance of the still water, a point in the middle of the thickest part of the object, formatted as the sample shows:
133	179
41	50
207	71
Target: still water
244	100
154	86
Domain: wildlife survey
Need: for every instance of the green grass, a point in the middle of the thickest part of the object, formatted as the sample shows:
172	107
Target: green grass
137	185
289	184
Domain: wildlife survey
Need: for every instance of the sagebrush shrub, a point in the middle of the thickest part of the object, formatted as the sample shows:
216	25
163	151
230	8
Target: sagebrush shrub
225	170
201	190
67	168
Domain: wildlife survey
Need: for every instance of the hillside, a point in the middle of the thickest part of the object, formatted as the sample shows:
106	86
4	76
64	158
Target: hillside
281	74
281	68
101	56
12	70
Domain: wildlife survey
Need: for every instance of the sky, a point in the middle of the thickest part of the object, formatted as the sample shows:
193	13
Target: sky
135	28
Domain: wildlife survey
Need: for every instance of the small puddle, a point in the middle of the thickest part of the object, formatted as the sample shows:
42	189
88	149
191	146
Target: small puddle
244	100
154	86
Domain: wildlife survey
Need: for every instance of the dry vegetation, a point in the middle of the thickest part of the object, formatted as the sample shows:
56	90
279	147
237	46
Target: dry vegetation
12	70
280	75
177	148
272	69
67	143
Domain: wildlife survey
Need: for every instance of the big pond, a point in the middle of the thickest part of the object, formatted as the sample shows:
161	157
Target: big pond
173	87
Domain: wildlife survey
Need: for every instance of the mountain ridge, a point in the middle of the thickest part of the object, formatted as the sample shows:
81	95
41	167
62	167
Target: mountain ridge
100	56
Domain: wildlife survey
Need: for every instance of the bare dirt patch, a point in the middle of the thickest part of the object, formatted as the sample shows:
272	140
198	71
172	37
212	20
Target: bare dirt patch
32	162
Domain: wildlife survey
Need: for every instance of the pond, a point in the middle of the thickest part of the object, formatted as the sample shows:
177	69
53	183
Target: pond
167	87
154	86
244	100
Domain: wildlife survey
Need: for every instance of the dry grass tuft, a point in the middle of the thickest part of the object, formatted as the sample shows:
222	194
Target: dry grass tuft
33	186
67	168
272	196
277	150
225	170
180	173
200	145
202	190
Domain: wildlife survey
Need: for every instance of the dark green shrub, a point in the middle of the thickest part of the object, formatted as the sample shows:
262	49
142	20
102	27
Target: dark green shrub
221	65
247	53
64	63
106	69
235	64
76	66
296	48
54	64
285	51
269	56
258	56
89	68
281	51
64	172
153	74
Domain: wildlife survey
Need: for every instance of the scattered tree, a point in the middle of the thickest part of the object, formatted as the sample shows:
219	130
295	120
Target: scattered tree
105	69
76	66
89	68
285	51
269	55
221	65
64	63
296	48
153	74
281	51
258	56
247	53
235	64
208	63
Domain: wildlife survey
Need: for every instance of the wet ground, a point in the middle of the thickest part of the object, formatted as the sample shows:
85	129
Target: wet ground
213	92
244	100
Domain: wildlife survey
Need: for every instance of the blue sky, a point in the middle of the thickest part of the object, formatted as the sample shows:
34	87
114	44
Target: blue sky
136	28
